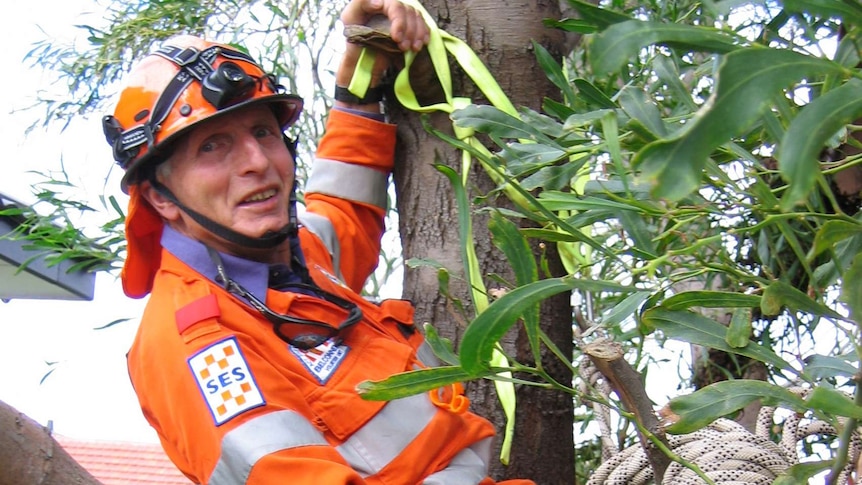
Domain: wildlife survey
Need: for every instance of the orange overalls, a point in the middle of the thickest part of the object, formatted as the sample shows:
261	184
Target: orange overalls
232	403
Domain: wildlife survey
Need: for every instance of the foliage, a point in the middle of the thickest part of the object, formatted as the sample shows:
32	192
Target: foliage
697	145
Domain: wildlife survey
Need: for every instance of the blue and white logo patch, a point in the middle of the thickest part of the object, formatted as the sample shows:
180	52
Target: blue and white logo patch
225	380
323	360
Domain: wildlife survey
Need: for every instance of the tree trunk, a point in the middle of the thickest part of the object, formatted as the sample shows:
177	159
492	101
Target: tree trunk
30	456
500	32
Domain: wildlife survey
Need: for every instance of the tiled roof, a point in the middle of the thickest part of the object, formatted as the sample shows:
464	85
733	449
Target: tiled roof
121	463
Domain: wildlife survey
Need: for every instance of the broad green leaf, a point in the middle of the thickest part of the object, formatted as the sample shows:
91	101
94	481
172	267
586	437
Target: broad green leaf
556	177
849	11
442	347
818	121
520	256
556	200
522	157
801	473
571	25
851	290
637	229
554	72
636	104
780	294
490	120
594	95
483	333
411	383
599	16
832	232
739	330
747	80
696	410
623	41
825	366
624	309
696	329
833	402
710	299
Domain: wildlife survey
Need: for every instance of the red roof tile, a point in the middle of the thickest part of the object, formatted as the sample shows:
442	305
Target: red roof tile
121	463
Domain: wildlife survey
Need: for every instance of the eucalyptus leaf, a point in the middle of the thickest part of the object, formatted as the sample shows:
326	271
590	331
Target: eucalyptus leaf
826	366
694	411
739	330
483	333
831	232
710	299
411	383
818	121
851	290
780	294
622	41
834	403
675	166
696	329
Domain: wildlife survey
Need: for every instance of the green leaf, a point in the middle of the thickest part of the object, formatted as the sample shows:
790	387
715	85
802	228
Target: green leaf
442	347
636	104
696	329
696	410
851	290
825	366
799	150
623	41
832	232
624	309
571	25
833	402
675	166
520	257
411	383
780	294
849	11
739	330
801	473
483	333
710	299
554	72
599	16
593	95
494	122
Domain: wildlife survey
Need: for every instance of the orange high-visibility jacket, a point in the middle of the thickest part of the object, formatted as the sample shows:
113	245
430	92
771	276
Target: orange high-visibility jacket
234	404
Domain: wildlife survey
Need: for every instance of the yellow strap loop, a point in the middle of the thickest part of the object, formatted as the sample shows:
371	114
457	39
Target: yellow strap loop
440	43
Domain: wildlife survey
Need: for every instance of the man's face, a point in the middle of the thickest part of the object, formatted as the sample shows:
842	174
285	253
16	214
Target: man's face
235	170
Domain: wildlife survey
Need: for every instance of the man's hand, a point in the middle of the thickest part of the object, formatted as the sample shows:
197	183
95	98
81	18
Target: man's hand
406	27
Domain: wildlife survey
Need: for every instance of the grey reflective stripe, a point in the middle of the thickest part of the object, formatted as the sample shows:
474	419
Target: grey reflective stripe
244	445
322	228
469	467
348	181
386	435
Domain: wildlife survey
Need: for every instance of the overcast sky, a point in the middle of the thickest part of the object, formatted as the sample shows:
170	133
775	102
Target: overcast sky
88	394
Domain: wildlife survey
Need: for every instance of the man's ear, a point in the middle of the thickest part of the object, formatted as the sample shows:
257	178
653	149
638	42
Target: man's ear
167	209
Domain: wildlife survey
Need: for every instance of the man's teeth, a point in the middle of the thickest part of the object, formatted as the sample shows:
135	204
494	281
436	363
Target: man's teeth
261	196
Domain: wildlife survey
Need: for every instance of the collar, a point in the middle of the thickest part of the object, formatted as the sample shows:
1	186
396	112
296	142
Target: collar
252	275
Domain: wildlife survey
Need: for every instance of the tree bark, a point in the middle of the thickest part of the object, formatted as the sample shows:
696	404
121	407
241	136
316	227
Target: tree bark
30	456
500	32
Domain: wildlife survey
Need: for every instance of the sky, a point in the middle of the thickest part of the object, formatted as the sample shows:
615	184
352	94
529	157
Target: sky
87	394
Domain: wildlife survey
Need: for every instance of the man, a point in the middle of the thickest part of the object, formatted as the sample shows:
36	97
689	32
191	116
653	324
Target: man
255	335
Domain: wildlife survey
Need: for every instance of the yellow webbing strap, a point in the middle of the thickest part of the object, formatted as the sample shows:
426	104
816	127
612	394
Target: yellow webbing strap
440	45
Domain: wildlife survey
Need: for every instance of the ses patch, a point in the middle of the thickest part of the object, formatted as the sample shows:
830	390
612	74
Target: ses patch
225	380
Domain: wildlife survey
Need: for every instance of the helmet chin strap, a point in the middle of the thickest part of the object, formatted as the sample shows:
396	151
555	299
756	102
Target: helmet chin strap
269	240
